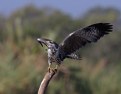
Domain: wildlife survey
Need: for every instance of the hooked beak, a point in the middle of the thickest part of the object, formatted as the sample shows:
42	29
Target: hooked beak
41	41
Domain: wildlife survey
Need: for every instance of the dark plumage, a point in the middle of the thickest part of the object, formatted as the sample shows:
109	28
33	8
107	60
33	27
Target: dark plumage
75	40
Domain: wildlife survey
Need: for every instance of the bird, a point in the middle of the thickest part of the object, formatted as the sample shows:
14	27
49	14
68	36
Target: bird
73	42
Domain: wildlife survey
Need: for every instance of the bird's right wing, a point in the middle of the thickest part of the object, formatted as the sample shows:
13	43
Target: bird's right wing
80	37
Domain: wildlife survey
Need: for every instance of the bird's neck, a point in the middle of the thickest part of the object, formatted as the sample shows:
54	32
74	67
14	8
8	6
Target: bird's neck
52	49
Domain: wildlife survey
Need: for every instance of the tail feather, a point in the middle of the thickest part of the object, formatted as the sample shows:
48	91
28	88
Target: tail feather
74	56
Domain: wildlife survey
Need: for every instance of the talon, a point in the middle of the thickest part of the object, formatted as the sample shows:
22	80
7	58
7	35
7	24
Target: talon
56	67
49	69
53	69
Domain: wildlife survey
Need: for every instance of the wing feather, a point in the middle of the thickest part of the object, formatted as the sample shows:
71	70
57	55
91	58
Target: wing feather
80	37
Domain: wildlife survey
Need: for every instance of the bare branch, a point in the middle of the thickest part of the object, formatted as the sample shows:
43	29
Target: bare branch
44	84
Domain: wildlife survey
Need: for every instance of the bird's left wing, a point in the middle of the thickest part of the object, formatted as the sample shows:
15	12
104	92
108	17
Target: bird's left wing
80	37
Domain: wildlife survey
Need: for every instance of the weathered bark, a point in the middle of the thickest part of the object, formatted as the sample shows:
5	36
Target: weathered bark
47	78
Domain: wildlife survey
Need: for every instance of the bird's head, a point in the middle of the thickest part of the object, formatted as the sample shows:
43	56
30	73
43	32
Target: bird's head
46	42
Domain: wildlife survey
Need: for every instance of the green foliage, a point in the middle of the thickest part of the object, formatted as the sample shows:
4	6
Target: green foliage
23	62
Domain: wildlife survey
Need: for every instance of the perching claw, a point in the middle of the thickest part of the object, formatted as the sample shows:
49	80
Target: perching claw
49	68
53	69
56	67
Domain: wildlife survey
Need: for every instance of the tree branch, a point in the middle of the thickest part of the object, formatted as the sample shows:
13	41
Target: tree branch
47	78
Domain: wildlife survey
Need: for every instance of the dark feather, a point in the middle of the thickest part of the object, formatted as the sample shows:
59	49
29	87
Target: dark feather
74	56
80	37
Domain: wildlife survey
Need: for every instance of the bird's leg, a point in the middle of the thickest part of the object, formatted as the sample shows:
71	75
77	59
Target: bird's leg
49	67
56	67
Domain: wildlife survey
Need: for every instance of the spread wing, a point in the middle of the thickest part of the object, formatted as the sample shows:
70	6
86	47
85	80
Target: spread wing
80	37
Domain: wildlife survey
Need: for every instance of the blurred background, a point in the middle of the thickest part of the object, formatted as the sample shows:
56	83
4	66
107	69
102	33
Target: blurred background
23	62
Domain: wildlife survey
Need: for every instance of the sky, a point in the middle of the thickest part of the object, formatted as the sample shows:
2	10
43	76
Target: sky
74	8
